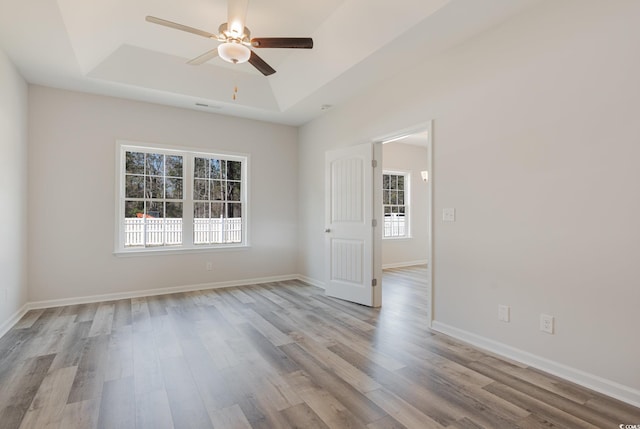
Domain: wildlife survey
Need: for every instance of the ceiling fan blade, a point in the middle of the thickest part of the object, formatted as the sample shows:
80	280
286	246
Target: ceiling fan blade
261	64
177	26
204	57
282	42
236	16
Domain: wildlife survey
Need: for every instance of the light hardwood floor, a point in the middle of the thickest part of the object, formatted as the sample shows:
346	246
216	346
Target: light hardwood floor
273	356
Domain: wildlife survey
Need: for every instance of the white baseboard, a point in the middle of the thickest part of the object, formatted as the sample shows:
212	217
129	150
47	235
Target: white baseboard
312	282
154	292
36	305
11	321
599	384
404	264
590	381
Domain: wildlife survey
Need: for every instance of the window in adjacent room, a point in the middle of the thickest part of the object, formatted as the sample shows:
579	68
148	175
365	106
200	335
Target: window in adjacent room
173	199
395	200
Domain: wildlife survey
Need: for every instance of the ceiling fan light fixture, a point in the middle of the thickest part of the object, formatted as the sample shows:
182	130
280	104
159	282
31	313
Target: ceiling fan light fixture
234	52
236	39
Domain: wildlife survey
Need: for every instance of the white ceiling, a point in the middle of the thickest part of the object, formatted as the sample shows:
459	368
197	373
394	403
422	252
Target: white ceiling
107	47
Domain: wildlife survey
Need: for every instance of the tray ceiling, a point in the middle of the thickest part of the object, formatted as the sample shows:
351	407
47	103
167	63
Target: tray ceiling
107	47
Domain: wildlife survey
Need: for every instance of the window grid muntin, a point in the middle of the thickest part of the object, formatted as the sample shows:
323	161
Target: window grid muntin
153	228
217	215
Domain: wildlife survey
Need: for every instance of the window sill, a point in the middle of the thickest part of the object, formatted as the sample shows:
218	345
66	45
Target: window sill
178	250
397	238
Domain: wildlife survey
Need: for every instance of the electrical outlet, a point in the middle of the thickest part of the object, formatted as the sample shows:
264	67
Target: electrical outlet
546	323
209	266
504	313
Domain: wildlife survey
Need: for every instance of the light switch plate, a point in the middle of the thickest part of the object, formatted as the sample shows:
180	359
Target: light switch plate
449	215
504	313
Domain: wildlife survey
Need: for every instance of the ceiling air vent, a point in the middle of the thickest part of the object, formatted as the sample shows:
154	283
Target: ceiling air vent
208	106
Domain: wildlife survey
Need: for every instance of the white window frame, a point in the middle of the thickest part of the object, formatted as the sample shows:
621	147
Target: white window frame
188	154
407	204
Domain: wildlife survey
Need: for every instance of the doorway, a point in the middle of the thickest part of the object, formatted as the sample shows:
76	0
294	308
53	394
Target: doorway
405	202
355	218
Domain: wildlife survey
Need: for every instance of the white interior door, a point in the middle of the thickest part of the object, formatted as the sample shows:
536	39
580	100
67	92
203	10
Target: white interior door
349	230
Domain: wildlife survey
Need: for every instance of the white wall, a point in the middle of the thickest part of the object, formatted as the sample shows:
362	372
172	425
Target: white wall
536	145
13	188
71	195
412	159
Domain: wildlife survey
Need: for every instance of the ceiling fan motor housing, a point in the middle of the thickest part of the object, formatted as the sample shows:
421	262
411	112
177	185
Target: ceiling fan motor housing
224	33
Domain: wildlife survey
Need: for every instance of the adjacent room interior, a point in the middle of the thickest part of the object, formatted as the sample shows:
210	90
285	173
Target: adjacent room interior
165	220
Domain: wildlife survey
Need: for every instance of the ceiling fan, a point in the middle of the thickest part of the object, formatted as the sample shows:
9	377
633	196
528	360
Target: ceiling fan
236	39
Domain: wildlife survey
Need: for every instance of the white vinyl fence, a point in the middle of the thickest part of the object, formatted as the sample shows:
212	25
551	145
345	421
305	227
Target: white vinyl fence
217	230
394	226
167	232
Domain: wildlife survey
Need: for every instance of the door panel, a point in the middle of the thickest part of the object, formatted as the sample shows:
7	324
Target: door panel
349	233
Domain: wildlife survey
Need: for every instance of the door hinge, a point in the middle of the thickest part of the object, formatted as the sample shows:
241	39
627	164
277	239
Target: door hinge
374	222
374	163
374	282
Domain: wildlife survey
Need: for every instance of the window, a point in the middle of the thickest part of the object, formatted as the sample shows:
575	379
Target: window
395	200
153	199
172	199
217	207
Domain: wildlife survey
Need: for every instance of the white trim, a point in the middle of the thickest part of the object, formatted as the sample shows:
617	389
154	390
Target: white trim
188	154
430	210
404	264
155	292
405	132
590	381
312	282
36	305
15	318
179	250
398	134
607	387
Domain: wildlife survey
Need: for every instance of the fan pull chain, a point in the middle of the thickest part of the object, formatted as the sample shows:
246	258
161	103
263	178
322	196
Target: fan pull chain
235	92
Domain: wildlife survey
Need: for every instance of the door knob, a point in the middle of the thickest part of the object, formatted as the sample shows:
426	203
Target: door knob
327	230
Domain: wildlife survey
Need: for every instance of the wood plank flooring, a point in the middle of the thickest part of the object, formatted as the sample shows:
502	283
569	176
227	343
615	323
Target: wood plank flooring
278	355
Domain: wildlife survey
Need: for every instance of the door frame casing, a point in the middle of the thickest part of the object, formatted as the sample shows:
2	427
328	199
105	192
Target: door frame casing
377	230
